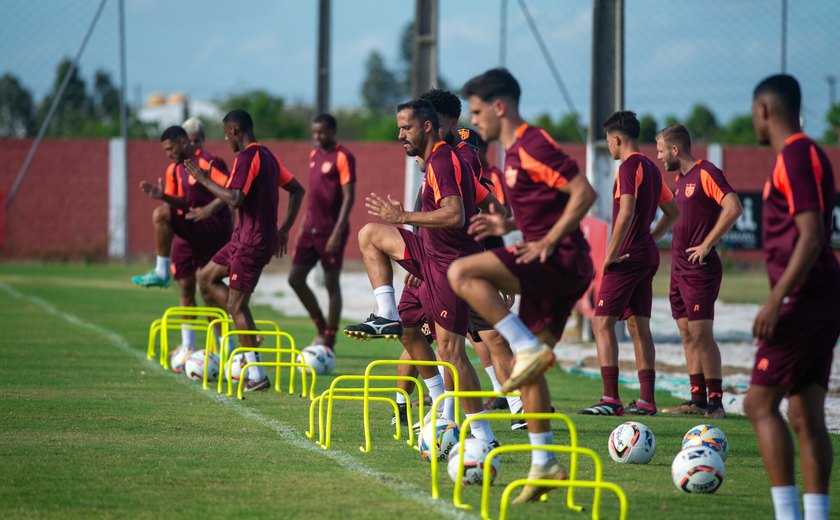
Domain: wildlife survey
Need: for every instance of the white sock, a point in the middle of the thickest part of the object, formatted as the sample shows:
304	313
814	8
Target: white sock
442	370
448	409
816	506
435	386
516	333
514	403
387	302
786	502
255	373
187	337
541	439
481	429
162	265
491	373
400	398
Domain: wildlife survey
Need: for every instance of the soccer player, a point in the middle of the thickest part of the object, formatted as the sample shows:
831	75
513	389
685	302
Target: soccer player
630	264
448	201
551	269
709	208
190	227
332	181
253	189
798	326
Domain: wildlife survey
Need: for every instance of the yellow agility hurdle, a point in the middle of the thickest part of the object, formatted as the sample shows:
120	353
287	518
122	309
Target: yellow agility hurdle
324	438
210	346
598	484
161	326
366	388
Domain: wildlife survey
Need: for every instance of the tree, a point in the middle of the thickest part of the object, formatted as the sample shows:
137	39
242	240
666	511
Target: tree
106	97
564	131
381	90
832	135
17	110
648	129
272	120
75	108
701	124
738	130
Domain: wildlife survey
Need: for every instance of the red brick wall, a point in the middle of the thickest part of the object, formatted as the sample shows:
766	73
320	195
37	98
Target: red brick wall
61	210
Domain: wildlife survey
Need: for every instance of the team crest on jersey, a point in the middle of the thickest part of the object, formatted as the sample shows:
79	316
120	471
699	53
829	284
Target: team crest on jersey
191	180
510	176
689	190
326	167
464	133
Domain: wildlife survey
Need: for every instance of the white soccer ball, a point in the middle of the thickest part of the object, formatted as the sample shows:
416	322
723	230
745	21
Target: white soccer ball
475	453
632	443
709	436
194	367
442	440
698	469
319	357
233	367
178	358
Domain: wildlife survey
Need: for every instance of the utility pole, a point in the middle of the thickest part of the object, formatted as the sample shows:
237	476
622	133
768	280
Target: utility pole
322	97
784	36
832	80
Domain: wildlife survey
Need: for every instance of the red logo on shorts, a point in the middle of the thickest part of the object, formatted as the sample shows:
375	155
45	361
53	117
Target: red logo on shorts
233	277
696	308
600	303
689	190
443	314
763	364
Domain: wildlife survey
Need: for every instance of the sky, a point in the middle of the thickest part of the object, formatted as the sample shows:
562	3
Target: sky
676	53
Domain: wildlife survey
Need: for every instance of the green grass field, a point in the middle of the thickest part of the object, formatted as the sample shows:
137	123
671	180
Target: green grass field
89	428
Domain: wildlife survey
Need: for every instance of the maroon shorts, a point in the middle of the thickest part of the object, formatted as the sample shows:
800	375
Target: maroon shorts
627	290
549	290
435	294
205	237
802	347
183	261
245	264
313	248
693	294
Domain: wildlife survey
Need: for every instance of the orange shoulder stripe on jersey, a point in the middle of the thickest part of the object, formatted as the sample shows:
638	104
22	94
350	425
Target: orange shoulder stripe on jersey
286	176
171	183
710	187
253	172
481	191
312	154
816	166
216	175
521	130
343	165
433	183
550	139
541	172
499	192
640	176
665	193
781	182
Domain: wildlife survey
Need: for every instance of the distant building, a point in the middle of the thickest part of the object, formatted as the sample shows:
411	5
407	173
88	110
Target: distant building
174	109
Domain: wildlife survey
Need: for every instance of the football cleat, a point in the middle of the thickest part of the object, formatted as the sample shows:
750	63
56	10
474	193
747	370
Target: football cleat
151	279
375	327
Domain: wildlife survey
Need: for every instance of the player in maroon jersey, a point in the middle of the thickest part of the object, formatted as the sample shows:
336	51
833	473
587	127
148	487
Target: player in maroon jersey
708	208
253	190
797	327
631	262
323	236
551	269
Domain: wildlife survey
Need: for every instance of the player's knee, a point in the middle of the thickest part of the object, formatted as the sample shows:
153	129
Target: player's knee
755	408
297	279
366	234
160	214
457	275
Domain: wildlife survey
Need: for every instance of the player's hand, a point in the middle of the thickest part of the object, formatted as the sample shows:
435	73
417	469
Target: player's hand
412	281
389	210
282	242
154	191
698	254
333	244
483	225
766	319
200	213
195	171
529	251
614	260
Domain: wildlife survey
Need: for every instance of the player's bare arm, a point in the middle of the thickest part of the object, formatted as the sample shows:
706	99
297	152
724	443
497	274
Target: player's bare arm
348	197
581	197
626	209
155	191
670	214
730	211
450	214
233	198
804	255
200	213
296	193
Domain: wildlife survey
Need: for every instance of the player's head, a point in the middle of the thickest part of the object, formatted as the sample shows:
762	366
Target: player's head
671	143
448	108
324	128
776	100
492	96
620	128
237	125
195	131
418	124
175	142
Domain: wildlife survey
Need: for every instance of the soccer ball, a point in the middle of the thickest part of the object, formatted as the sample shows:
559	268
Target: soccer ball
475	453
178	358
709	436
698	469
445	437
319	357
194	367
233	367
632	443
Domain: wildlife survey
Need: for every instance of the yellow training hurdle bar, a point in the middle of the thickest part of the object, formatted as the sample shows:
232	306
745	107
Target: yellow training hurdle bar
325	434
161	326
225	323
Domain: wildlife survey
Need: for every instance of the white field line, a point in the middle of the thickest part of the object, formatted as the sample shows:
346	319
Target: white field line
289	434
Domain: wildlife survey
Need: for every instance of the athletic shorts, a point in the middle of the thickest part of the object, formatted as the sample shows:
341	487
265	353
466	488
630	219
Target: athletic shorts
549	290
183	263
478	324
627	290
205	237
311	249
693	294
436	295
245	264
802	348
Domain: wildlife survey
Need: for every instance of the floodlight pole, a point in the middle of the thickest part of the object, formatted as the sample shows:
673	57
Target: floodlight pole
322	102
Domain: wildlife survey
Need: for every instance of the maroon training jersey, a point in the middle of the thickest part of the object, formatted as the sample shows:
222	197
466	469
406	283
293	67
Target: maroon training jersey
802	180
448	175
179	183
698	195
328	172
258	174
469	155
639	176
